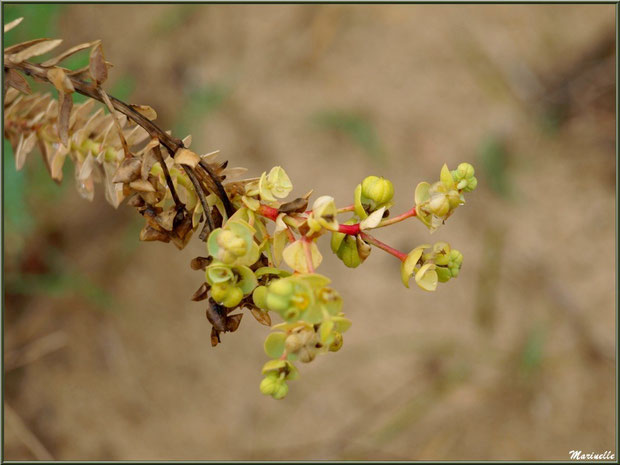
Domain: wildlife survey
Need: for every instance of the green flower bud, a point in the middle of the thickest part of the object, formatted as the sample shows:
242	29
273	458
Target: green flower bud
233	297
378	190
280	391
234	243
269	383
349	253
471	184
219	291
465	170
282	287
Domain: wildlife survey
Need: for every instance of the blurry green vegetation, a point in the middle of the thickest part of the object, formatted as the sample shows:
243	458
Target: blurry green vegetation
357	128
39	18
493	157
16	214
172	19
533	350
199	103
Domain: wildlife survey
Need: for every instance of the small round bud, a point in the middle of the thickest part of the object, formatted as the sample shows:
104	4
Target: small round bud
281	287
471	184
377	189
233	297
219	291
465	170
280	391
269	383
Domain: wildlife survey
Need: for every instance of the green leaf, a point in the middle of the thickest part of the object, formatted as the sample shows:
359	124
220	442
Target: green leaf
274	345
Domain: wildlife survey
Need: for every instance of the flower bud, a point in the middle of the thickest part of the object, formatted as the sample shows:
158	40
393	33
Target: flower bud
233	297
378	190
269	383
465	171
219	291
280	391
349	253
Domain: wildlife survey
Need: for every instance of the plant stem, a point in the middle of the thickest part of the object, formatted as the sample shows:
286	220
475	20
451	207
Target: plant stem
377	243
350	229
399	218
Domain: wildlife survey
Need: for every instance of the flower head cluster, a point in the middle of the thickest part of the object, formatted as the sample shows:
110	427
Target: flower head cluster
431	264
436	202
313	324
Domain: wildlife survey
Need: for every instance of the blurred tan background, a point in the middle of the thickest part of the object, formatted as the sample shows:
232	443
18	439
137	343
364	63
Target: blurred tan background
106	358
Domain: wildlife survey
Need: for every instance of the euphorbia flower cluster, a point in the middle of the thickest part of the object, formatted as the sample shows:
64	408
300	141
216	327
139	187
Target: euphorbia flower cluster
247	255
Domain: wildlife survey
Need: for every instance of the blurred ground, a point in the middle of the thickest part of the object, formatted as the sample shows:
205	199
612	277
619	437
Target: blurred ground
106	358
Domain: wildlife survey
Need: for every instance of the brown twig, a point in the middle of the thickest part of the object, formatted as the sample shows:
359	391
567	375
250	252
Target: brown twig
209	225
169	182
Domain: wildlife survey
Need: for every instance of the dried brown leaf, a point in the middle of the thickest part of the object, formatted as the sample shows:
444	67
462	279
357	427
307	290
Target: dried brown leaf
187	141
23	45
128	171
57	162
86	169
295	206
149	234
64	114
118	121
145	111
60	80
141	185
97	65
216	314
261	316
12	24
66	54
35	50
166	219
186	157
201	293
149	159
14	79
24	147
233	321
215	337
